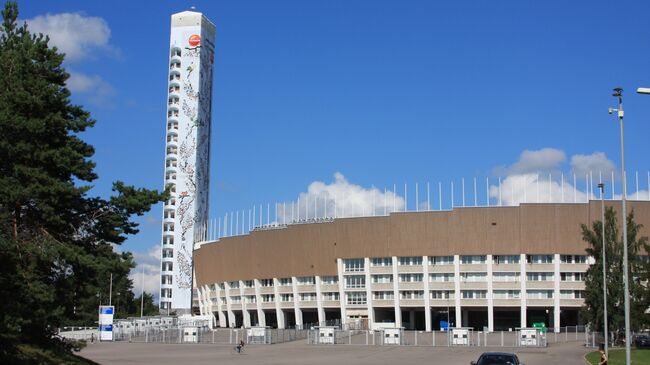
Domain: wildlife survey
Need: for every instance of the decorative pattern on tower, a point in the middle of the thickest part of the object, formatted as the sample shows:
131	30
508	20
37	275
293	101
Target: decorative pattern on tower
187	159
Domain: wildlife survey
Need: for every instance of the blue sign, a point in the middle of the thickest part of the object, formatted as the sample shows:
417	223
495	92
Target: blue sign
444	325
106	327
105	310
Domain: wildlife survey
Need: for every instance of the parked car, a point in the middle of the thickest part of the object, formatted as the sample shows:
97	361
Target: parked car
642	341
497	358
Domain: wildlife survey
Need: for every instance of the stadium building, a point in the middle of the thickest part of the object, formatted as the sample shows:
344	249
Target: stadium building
483	267
494	267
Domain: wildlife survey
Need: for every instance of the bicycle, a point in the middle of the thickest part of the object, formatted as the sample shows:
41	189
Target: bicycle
237	349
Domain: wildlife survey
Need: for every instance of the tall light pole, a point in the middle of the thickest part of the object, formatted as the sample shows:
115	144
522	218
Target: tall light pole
618	93
601	186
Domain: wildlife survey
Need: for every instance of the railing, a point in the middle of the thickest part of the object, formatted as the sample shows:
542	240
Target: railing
444	338
491	192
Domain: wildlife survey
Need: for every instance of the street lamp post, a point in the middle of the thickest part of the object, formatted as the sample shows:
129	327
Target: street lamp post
601	186
618	93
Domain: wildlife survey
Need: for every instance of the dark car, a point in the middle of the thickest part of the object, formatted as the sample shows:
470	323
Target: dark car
642	341
497	358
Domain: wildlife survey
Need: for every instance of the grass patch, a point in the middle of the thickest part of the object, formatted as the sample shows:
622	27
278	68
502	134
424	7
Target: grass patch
617	357
27	354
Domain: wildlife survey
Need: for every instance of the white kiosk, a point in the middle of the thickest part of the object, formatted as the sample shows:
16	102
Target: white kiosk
531	337
392	336
461	336
256	335
190	335
326	335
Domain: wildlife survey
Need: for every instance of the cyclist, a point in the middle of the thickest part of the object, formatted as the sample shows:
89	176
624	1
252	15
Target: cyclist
240	346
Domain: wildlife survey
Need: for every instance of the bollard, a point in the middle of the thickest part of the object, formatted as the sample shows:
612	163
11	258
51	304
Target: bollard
433	338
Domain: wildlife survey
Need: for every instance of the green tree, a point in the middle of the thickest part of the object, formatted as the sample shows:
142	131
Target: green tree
638	268
149	308
56	241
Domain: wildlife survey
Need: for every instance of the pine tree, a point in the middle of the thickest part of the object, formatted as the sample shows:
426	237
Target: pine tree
638	268
56	241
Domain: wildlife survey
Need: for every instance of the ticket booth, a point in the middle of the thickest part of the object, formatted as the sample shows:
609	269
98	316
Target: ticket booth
531	337
326	335
392	336
191	335
461	336
256	335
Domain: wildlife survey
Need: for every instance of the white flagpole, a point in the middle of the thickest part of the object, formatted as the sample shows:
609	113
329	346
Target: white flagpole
225	225
219	232
462	183
385	197
261	215
428	196
575	189
487	191
231	222
417	201
591	185
406	201
394	197
550	188
249	219
298	208
335	216
452	194
613	190
537	201
268	214
237	224
562	187
325	203
500	201
475	196
587	183
525	188
439	195
512	192
637	184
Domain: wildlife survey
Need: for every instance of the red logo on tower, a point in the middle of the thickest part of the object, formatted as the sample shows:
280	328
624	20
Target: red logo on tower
194	40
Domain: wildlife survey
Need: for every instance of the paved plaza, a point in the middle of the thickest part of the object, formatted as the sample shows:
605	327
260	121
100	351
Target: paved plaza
298	352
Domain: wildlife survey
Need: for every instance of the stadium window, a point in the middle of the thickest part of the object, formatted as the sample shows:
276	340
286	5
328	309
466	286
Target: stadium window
473	259
356	297
410	261
381	261
441	260
352	265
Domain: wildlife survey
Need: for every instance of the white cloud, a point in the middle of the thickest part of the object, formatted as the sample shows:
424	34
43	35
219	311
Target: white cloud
97	90
150	262
74	34
339	198
537	178
543	160
594	163
536	188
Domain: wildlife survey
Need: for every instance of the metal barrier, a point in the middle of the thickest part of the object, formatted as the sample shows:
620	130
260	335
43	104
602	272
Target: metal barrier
444	339
207	336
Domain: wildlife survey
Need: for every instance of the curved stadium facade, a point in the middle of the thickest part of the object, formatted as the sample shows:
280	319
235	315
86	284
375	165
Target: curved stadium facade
494	267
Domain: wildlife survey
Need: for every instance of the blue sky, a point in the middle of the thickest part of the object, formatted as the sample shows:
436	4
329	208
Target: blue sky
384	92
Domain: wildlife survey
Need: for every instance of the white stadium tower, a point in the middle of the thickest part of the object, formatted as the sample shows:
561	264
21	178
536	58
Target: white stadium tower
187	153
